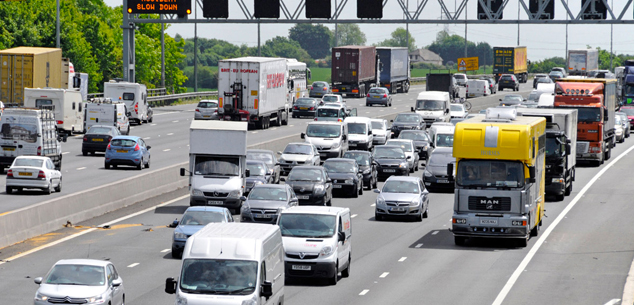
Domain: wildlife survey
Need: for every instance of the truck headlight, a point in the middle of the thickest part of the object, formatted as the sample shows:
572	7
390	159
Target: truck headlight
428	174
518	222
196	192
558	180
459	221
403	165
234	194
326	251
40	297
319	189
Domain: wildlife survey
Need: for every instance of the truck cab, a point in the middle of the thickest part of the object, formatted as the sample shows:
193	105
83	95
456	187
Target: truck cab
433	106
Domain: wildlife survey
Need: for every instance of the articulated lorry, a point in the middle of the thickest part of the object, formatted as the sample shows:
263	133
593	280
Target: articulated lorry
443	82
29	67
582	62
510	60
595	99
255	90
217	163
394	69
561	148
500	176
354	70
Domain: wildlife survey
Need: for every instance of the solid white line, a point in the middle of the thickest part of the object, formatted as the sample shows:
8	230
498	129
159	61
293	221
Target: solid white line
166	250
163	113
133	265
384	275
80	168
354	215
418	246
509	284
615	301
435	232
66	152
402	259
628	291
69	237
166	149
364	292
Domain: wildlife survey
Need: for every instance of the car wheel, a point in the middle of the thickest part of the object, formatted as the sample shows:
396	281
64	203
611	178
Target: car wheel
147	165
49	190
375	182
335	277
378	217
59	186
329	203
419	217
176	253
346	272
84	153
426	213
106	166
151	119
411	170
9	190
360	187
140	165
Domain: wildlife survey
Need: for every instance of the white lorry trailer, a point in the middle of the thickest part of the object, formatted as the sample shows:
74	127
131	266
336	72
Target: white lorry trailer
298	76
254	90
582	62
132	94
68	107
217	163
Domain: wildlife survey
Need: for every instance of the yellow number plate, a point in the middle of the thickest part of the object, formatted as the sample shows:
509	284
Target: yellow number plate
303	108
25	174
97	140
8	149
121	151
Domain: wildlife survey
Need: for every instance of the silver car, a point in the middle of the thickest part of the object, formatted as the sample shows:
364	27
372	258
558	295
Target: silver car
402	196
318	89
298	154
265	202
379	96
206	110
625	122
410	152
80	281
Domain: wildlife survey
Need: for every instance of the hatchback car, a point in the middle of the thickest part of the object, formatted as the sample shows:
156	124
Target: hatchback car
407	121
391	160
319	89
555	75
127	150
206	110
411	154
379	131
508	81
619	131
402	196
194	219
298	154
492	85
511	100
268	156
97	138
422	142
311	184
345	176
435	174
332	98
379	96
625	122
265	202
543	80
305	107
80	281
537	77
367	166
258	171
32	172
457	111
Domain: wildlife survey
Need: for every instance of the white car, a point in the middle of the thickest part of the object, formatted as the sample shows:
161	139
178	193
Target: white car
380	133
457	111
32	172
332	98
298	154
206	110
410	152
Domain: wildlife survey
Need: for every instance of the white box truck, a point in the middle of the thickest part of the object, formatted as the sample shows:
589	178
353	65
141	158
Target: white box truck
255	90
231	263
217	163
561	147
132	94
67	106
298	75
103	111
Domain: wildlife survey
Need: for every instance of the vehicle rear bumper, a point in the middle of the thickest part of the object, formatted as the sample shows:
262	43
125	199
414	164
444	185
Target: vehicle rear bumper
28	183
129	162
87	146
489	232
590	156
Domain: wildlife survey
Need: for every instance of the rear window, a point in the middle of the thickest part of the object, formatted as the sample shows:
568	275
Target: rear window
458	76
304	101
123	142
40	102
128	96
28	162
319	85
507	77
376	90
99	130
207	105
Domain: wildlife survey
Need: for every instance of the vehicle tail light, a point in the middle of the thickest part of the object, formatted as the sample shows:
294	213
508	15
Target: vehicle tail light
136	108
137	147
295	107
368	94
39	150
85	138
197	110
315	119
60	122
109	139
385	95
41	175
311	87
324	89
10	173
339	120
312	108
109	147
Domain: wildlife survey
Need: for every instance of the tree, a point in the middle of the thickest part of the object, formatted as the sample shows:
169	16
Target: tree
349	34
283	47
399	39
451	47
315	39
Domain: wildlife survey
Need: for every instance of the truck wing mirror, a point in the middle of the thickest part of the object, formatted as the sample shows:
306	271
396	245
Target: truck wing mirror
450	169
605	114
170	285
568	148
344	137
302	135
531	174
266	290
183	172
412	109
247	173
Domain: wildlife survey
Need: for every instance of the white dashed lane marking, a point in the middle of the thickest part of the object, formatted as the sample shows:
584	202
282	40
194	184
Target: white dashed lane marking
418	246
400	260
166	149
166	250
171	133
133	265
81	168
354	215
435	232
384	275
364	292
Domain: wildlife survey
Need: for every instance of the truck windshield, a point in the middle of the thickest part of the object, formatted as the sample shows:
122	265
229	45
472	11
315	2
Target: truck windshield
589	114
216	166
553	147
629	90
257	169
429	105
490	173
307	225
357	128
328	112
218	276
444	140
323	131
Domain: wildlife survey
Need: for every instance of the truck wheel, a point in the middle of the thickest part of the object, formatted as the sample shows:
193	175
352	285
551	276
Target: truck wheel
568	189
535	230
559	198
278	120
608	155
459	240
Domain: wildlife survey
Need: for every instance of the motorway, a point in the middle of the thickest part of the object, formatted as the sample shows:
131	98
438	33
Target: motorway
582	255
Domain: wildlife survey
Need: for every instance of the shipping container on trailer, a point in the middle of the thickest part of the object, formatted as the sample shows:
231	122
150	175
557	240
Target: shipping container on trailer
353	70
394	69
28	67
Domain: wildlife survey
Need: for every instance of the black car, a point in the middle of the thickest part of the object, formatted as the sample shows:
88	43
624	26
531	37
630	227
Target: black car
367	166
555	75
258	171
305	107
508	81
390	161
407	121
345	176
421	139
265	202
311	184
511	100
97	138
268	156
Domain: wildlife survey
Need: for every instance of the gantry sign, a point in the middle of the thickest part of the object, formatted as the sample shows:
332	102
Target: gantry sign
368	11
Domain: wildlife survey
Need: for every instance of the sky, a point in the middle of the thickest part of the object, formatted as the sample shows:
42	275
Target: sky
543	41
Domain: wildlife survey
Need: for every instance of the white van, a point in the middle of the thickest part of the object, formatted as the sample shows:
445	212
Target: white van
359	133
477	87
132	94
546	101
105	112
330	138
317	241
433	106
67	106
442	136
231	263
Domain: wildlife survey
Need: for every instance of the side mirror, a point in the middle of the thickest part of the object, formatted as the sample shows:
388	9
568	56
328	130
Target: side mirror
500	100
128	114
328	180
242	198
182	172
266	289
302	135
174	223
450	169
605	114
375	163
411	109
377	191
282	179
170	285
568	148
117	282
391	121
148	147
247	173
344	137
531	174
38	280
342	236
409	157
279	152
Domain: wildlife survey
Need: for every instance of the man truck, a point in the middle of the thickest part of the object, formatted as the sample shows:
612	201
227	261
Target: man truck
510	60
394	69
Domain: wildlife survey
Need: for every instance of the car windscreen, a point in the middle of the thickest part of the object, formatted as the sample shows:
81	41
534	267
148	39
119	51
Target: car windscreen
323	131
219	276
328	112
357	128
407	118
298	149
409	187
201	218
123	143
339	167
377	125
362	159
416	136
216	166
268	193
617	120
404	145
440	159
76	275
28	162
490	173
628	111
431	105
330	98
534	96
388	153
305	174
444	140
262	156
256	169
99	130
207	105
307	225
456	108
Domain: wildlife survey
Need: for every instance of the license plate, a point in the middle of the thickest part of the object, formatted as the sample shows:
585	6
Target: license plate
303	197
442	181
343	89
352	144
8	149
300	267
471	94
337	186
25	174
206	116
303	108
97	140
389	171
121	151
323	155
262	215
397	209
376	96
488	221
213	202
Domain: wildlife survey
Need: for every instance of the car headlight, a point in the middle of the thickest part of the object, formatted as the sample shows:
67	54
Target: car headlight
326	251
181	300
180	235
251	301
258	182
415	202
403	165
336	145
245	208
40	297
234	194
380	201
425	148
96	299
349	181
367	171
428	174
319	189
196	192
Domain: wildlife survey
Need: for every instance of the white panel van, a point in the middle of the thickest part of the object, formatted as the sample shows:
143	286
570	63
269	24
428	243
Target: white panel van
359	133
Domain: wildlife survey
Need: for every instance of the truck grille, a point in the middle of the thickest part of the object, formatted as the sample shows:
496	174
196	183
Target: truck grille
306	256
215	194
489	204
582	147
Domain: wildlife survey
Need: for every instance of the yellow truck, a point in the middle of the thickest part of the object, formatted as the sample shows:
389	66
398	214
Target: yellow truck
30	67
499	176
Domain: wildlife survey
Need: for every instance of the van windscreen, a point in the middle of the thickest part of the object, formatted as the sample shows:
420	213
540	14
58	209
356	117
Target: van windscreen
219	276
429	105
307	225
